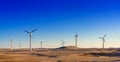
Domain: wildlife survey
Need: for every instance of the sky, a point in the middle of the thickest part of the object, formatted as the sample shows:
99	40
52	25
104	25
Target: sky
58	20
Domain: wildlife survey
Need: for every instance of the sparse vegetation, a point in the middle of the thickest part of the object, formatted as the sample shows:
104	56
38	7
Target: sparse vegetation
60	55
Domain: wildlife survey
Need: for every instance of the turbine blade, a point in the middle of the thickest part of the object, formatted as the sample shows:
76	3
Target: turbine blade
26	31
104	35
100	38
34	30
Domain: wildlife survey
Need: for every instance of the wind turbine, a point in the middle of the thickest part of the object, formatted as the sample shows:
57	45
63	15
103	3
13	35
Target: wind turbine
62	43
30	34
11	44
76	39
103	40
19	45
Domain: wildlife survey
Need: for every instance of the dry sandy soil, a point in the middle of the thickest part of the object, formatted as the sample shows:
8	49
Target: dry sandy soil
64	54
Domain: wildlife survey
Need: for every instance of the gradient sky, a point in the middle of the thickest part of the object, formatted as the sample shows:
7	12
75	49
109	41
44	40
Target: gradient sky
58	20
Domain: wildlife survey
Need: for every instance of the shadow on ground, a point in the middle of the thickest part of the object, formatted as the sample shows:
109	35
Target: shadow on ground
106	54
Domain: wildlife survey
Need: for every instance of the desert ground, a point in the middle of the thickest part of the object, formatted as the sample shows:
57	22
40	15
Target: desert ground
62	54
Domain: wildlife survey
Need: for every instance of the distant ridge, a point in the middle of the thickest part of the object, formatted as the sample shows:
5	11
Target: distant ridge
68	48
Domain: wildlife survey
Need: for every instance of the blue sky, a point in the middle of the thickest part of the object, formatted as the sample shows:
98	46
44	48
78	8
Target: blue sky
58	20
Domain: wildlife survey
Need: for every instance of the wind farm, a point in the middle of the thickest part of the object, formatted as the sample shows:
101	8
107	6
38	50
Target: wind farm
69	53
59	31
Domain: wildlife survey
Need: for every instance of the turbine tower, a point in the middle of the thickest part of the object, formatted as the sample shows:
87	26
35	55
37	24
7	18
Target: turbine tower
41	43
62	43
30	34
19	45
11	44
103	40
76	39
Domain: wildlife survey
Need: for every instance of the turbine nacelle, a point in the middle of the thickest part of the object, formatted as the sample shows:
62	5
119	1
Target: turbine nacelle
30	34
76	35
103	37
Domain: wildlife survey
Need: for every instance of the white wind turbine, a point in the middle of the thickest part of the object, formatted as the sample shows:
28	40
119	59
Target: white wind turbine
76	39
103	40
63	43
30	34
